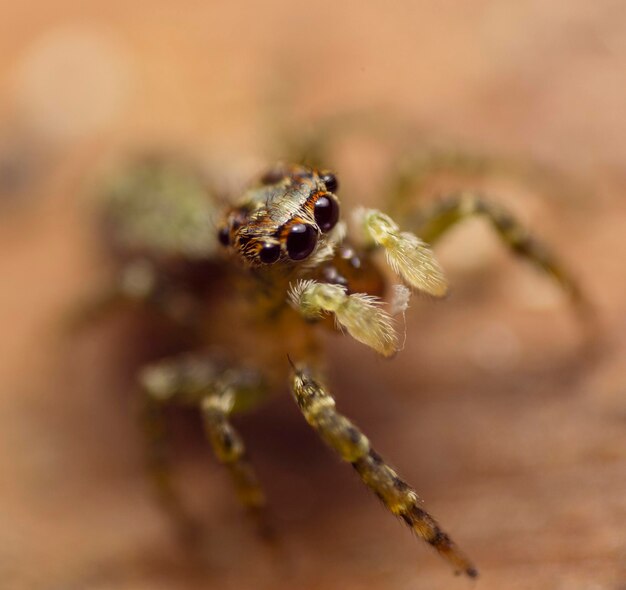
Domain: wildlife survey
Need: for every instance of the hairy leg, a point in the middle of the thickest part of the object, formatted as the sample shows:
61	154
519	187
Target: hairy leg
229	449
408	255
359	314
432	223
216	390
318	407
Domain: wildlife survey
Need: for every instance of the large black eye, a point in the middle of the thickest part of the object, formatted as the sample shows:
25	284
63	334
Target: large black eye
331	182
301	241
326	212
269	253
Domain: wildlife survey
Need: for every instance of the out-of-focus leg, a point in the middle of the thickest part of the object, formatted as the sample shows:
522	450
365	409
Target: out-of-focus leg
216	390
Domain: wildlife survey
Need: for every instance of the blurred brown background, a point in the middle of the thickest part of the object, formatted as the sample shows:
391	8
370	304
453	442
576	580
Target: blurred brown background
513	435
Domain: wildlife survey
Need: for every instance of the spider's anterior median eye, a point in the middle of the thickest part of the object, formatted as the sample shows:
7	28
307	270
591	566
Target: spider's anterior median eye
326	212
301	241
330	181
269	253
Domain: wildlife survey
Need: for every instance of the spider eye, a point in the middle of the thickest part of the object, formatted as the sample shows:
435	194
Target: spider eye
269	253
326	213
301	241
273	176
331	182
223	235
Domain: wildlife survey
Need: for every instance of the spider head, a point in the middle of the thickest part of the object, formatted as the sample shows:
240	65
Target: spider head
290	218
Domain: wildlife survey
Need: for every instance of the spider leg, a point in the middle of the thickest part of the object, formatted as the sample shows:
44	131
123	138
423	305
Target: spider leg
408	255
359	314
318	407
412	177
217	391
432	223
160	473
229	449
135	282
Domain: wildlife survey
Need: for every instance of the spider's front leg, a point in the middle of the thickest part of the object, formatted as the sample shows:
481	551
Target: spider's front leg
359	314
408	255
318	407
217	391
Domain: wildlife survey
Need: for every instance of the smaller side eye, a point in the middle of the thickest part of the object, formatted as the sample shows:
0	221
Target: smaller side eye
326	212
269	253
223	235
330	181
273	176
301	241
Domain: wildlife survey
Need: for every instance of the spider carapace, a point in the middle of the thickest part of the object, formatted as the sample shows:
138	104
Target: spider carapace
281	253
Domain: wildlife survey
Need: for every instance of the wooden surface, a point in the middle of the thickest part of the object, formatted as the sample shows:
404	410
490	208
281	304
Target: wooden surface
514	436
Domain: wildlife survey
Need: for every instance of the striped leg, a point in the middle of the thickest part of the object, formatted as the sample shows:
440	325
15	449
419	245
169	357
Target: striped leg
434	222
217	391
352	445
230	451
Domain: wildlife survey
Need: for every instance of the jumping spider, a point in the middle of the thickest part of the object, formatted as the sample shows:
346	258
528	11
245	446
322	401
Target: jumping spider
280	260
